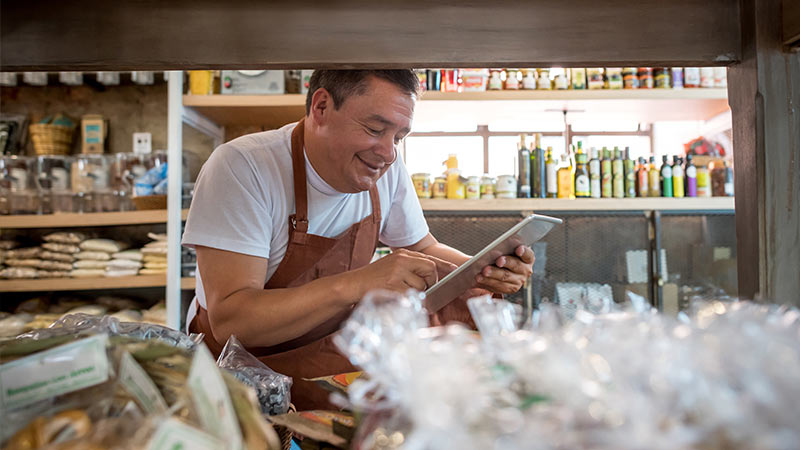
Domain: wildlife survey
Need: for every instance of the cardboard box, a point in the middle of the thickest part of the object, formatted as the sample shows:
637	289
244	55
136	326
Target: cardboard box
94	130
253	82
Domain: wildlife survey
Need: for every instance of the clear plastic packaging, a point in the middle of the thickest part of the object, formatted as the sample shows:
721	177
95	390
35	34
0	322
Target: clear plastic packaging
722	376
85	324
272	388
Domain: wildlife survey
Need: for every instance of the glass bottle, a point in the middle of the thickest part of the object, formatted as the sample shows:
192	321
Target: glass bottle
606	174
566	181
654	181
691	177
595	186
677	177
618	174
551	167
582	187
666	177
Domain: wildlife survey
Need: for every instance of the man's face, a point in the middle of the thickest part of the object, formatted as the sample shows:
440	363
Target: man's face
363	135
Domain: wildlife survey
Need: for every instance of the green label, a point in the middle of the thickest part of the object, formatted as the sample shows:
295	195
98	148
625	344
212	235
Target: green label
139	385
54	372
211	397
173	434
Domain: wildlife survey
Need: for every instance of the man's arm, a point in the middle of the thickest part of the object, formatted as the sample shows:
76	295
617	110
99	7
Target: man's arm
238	303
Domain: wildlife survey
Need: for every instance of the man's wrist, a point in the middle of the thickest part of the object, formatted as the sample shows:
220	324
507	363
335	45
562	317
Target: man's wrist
343	288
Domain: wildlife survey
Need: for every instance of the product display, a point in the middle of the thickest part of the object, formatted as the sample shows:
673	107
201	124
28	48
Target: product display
625	379
92	382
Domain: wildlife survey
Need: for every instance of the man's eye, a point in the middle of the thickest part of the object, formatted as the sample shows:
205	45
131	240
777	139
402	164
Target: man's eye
372	131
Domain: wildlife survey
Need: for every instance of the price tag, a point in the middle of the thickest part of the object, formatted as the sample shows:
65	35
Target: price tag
176	435
212	400
60	370
139	385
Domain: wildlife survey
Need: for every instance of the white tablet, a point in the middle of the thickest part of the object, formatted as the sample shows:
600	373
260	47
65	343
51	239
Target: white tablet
527	232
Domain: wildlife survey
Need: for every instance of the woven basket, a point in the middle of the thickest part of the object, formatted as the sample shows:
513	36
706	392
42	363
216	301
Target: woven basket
51	139
150	202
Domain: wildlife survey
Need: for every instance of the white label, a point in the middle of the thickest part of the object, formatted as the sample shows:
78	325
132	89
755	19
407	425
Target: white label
54	372
19	179
595	188
139	385
60	179
729	189
691	172
212	400
552	179
176	435
142	143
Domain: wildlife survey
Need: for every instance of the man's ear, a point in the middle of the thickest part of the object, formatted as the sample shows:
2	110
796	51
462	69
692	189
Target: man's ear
321	105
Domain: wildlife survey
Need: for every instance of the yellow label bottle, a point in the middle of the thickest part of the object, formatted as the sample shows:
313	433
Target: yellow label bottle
566	179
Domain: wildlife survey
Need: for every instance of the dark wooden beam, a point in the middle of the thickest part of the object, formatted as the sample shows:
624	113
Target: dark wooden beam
763	94
791	23
183	34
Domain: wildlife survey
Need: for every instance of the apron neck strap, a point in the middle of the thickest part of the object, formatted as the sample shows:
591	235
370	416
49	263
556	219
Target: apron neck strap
300	218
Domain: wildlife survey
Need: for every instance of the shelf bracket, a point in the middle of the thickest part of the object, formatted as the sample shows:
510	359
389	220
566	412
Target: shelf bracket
204	125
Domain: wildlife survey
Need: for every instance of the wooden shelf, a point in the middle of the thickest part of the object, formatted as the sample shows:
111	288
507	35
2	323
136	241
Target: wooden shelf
643	105
188	283
583	204
86	284
64	220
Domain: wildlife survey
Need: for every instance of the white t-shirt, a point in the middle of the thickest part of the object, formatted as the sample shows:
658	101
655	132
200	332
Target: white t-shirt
244	196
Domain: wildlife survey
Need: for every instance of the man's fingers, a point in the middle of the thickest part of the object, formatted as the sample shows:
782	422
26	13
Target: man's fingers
525	253
442	266
513	264
497	273
498	287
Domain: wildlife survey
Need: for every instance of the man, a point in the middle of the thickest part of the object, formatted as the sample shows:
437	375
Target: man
285	223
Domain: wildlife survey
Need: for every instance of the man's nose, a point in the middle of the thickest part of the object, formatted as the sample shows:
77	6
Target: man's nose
386	149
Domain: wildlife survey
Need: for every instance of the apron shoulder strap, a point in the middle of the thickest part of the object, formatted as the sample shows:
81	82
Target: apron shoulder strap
299	220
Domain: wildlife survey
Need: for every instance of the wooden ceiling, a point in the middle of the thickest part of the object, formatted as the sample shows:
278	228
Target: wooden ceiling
183	34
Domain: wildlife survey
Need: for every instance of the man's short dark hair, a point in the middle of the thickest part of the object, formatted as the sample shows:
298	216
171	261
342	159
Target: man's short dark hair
343	84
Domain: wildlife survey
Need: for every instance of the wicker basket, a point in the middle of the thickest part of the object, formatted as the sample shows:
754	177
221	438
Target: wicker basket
51	139
150	202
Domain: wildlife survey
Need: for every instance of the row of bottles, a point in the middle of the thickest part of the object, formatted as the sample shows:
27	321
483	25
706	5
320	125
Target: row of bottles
609	173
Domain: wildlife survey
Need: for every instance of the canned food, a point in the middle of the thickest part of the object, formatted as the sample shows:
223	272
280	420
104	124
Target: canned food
487	187
440	187
473	188
422	184
506	186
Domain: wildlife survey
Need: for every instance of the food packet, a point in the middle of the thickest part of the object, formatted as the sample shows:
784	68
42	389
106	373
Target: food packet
272	388
314	427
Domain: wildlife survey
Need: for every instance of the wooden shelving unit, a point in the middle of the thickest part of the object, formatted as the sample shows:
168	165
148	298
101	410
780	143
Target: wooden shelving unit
72	220
583	204
90	284
644	105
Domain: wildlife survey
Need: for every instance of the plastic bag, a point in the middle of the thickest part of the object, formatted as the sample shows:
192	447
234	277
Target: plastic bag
722	376
84	324
272	388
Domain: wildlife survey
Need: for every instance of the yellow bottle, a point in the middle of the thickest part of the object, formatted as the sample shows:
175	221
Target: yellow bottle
456	189
566	179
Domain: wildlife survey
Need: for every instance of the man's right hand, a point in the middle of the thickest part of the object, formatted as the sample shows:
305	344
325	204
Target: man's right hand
399	271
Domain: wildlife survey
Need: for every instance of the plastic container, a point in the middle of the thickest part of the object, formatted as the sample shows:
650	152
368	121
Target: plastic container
506	186
17	178
91	184
53	181
473	188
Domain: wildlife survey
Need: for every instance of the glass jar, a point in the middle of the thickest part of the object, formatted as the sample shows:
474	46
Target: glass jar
124	170
91	187
53	180
17	178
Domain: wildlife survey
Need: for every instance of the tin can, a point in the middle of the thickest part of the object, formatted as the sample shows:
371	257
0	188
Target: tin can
506	186
629	78
487	187
473	188
422	184
440	187
703	182
646	77
662	78
677	77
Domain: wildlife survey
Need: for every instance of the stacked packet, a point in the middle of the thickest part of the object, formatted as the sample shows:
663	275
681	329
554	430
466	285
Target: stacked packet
94	257
154	255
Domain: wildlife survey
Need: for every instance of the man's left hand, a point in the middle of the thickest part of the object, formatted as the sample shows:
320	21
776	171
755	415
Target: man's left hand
508	273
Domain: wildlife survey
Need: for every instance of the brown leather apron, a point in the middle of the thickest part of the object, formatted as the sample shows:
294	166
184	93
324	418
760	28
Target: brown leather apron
307	258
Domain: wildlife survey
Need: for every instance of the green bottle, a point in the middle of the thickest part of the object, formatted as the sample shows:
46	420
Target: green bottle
666	178
630	174
618	174
605	174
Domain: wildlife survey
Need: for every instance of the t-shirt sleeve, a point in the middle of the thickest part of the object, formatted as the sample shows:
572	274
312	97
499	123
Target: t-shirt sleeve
230	209
405	224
